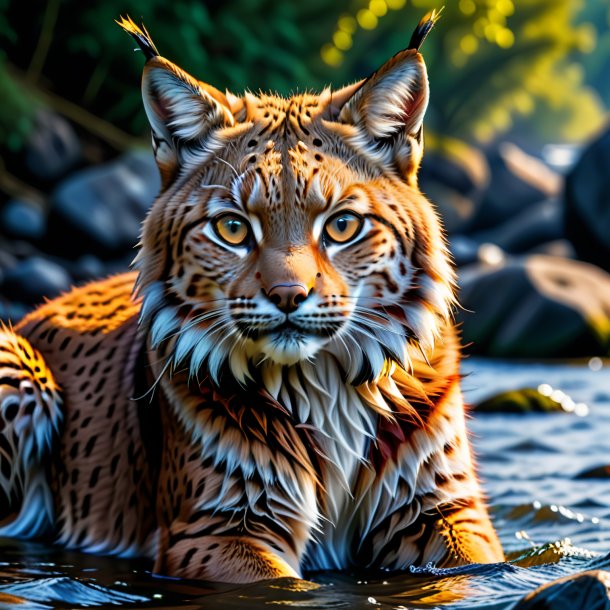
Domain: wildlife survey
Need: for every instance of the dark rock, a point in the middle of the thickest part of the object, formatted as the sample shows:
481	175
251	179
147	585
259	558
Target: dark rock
33	279
7	259
559	247
598	472
587	203
525	400
541	222
100	210
517	182
23	220
585	591
88	267
454	177
53	147
464	250
11	312
538	306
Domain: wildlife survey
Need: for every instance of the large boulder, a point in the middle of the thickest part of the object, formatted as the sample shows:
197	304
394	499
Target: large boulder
52	147
22	220
33	279
454	177
525	400
587	203
585	591
99	210
517	182
538	224
536	306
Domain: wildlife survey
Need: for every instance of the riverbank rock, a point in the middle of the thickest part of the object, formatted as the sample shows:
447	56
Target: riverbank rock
525	400
101	208
540	223
33	279
22	219
517	181
535	306
597	472
587	203
52	148
454	177
585	591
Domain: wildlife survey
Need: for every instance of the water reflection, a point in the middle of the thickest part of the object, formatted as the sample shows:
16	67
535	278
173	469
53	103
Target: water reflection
546	475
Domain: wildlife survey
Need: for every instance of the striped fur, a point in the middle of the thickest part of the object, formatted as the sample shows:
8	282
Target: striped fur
298	401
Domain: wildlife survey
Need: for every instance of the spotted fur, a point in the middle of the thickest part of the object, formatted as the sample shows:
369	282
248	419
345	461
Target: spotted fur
261	406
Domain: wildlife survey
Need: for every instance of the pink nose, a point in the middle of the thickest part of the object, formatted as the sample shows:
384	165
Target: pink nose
287	297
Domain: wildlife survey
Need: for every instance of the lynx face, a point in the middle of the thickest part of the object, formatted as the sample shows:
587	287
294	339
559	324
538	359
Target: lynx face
287	227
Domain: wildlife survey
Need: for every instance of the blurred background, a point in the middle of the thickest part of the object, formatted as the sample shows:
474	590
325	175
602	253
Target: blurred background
517	153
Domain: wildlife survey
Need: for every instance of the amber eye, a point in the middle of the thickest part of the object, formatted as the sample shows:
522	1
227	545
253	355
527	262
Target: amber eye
343	226
232	229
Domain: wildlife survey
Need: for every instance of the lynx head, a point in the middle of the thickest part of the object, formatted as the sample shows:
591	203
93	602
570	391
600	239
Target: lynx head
290	227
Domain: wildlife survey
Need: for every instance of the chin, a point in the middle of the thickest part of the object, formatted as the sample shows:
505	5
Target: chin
286	349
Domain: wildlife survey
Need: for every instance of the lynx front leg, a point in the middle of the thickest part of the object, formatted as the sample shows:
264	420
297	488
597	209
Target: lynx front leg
232	559
29	420
449	534
469	534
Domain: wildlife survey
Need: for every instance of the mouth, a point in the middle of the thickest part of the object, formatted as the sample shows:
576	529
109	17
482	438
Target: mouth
285	343
286	330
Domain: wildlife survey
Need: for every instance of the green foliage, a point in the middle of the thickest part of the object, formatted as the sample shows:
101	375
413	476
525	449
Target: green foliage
493	63
236	45
18	109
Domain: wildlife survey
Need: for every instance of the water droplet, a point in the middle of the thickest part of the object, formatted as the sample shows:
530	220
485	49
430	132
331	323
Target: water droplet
545	389
491	254
596	364
581	409
557	396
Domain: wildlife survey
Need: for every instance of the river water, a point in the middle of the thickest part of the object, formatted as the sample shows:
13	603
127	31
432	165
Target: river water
547	488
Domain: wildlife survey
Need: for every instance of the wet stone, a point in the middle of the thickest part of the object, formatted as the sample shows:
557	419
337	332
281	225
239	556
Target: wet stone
535	307
598	472
526	400
585	591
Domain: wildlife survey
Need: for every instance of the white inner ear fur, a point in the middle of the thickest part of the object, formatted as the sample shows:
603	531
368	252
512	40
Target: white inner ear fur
393	100
178	107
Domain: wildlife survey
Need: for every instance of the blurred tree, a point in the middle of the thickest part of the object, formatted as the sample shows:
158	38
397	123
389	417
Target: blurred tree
83	56
491	63
17	111
596	14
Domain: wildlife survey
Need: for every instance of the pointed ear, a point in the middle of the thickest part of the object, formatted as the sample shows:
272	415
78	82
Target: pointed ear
389	106
181	110
392	100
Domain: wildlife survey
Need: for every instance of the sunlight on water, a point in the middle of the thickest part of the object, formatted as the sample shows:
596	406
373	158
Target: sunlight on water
546	475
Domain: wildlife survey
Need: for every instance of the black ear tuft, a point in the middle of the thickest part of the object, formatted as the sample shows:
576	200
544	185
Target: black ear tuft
423	29
141	36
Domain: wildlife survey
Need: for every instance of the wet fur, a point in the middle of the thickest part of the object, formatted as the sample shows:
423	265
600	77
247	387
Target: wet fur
178	420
